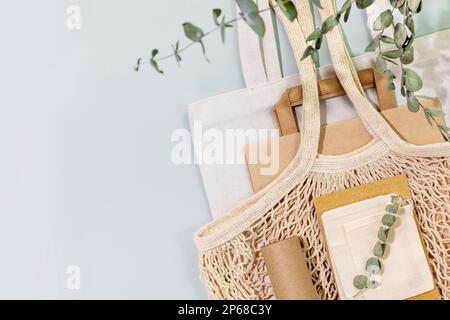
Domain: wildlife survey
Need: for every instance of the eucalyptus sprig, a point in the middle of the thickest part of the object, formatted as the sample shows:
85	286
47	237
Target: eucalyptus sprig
398	50
249	12
374	264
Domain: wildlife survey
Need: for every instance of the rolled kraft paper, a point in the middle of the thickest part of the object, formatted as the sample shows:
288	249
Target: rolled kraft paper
288	272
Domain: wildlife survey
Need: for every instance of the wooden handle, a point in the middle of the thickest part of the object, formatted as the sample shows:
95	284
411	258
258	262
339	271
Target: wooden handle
330	88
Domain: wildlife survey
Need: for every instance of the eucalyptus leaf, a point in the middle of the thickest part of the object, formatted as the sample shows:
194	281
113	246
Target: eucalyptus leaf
216	14
380	64
373	266
434	112
155	65
308	52
383	21
413	82
364	4
413	103
410	24
388	220
400	35
193	32
383	234
317	3
373	45
393	54
329	24
318	43
408	56
387	39
347	14
315	35
176	54
288	9
397	3
360	282
250	14
392	208
415	5
379	249
138	64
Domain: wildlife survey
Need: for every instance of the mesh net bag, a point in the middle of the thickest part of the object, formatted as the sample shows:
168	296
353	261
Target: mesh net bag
231	263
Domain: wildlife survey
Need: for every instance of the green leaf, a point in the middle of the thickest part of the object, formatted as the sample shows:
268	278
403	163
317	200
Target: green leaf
347	5
153	61
138	64
373	45
388	220
346	8
223	27
288	8
392	208
347	14
363	4
400	35
408	56
317	3
193	32
329	24
387	39
413	82
434	113
380	64
360	282
410	24
318	43
397	3
383	234
250	14
176	54
155	65
379	249
415	5
373	265
308	52
393	54
383	21
315	35
216	14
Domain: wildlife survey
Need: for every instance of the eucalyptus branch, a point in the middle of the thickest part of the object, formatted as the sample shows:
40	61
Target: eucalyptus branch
399	50
374	264
249	12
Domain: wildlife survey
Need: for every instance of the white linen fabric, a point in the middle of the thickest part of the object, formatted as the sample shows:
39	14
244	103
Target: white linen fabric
351	232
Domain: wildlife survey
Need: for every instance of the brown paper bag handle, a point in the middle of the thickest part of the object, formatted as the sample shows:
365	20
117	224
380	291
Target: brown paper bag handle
330	88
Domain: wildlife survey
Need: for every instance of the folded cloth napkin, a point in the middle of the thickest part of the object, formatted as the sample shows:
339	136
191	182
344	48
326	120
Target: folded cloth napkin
351	233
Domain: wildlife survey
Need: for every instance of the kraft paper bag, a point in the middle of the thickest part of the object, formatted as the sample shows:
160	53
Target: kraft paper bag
344	137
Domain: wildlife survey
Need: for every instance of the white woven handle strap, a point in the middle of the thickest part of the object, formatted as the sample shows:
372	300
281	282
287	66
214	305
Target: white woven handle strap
259	57
297	32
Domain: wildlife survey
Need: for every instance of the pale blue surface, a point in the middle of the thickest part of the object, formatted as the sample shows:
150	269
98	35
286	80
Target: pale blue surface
85	171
